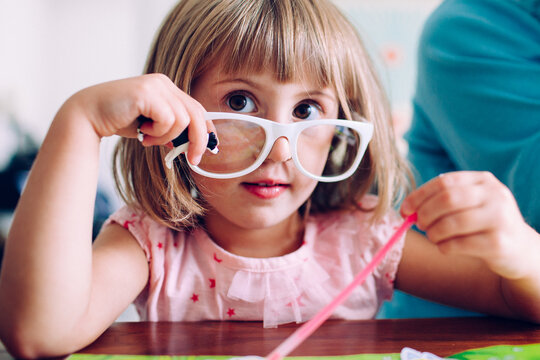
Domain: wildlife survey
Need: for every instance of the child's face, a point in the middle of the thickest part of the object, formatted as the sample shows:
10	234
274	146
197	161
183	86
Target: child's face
276	190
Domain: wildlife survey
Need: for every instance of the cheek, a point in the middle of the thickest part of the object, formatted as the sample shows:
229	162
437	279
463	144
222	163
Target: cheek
306	186
212	188
314	161
313	148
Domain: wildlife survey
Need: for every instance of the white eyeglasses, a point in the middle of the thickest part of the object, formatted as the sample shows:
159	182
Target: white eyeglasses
326	150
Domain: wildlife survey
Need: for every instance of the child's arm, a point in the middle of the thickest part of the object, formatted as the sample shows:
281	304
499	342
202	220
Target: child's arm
56	294
481	255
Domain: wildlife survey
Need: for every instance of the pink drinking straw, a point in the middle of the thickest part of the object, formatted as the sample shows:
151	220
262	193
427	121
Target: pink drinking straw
297	337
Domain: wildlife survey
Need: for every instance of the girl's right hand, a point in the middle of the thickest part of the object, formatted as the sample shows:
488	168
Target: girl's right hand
113	107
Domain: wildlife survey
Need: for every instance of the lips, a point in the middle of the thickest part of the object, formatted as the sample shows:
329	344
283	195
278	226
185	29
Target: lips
266	189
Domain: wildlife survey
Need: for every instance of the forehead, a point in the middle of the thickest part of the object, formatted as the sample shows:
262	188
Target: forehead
303	79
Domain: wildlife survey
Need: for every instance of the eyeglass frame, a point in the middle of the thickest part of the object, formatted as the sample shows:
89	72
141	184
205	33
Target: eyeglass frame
273	131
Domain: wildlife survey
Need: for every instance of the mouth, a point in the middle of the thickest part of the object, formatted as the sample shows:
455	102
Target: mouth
266	184
266	189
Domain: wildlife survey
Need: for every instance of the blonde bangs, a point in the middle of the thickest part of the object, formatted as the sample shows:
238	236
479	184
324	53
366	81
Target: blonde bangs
283	37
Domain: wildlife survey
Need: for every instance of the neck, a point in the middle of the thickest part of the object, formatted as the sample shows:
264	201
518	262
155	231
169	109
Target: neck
277	240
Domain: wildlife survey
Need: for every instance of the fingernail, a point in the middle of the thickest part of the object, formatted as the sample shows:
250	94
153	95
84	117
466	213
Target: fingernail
196	160
405	209
140	135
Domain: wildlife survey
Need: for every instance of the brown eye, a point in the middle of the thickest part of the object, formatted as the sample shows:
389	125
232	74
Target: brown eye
306	111
241	103
237	102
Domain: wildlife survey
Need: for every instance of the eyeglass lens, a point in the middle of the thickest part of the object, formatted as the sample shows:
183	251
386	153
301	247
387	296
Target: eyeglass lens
322	149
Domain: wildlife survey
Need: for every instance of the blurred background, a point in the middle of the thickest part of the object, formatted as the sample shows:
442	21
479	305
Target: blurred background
50	49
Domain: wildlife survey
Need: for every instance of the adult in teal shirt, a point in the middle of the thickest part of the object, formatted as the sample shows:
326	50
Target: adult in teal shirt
477	101
477	105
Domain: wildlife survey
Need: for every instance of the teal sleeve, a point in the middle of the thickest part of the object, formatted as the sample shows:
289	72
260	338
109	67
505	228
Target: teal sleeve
477	101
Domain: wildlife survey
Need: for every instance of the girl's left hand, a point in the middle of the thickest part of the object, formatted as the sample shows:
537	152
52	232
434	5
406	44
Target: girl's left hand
474	214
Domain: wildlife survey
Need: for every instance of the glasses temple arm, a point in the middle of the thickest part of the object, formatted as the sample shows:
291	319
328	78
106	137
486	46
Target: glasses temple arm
181	143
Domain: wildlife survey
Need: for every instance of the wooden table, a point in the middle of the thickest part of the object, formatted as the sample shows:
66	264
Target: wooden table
441	336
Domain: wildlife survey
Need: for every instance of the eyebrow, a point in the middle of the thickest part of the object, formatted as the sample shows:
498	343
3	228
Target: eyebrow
314	92
235	80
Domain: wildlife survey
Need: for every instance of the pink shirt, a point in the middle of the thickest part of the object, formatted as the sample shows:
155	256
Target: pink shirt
193	279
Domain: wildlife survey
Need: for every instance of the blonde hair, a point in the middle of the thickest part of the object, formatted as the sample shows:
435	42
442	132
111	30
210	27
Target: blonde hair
291	38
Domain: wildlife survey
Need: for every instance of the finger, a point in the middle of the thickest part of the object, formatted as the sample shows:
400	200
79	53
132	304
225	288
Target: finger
153	103
415	199
197	126
187	112
211	127
162	117
461	223
198	135
450	200
180	105
191	115
165	132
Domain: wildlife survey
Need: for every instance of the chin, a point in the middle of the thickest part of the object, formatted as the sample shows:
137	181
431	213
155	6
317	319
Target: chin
256	219
257	223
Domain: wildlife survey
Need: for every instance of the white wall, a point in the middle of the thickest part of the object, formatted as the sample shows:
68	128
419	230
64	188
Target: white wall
52	48
49	49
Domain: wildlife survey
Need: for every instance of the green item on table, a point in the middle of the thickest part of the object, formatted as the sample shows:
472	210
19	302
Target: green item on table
501	352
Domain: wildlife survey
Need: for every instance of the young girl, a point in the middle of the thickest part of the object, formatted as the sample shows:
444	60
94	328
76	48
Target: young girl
272	226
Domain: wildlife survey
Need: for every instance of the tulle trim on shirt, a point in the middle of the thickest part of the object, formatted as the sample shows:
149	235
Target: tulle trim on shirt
281	292
279	285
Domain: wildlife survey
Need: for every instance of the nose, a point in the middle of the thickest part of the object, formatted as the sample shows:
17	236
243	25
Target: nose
281	150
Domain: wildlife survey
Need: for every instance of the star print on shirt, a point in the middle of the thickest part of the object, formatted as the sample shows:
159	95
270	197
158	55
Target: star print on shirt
298	301
127	223
212	283
160	245
195	298
230	312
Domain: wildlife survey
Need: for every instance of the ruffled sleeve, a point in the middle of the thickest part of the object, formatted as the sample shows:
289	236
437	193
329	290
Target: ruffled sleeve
157	241
379	234
385	273
134	221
